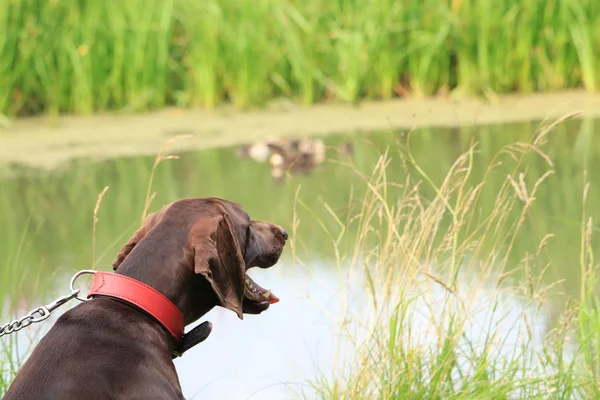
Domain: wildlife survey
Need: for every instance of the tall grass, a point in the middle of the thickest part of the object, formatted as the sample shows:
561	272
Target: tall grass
13	284
81	57
448	240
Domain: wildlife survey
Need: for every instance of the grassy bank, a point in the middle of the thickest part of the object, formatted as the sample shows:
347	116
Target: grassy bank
427	242
82	57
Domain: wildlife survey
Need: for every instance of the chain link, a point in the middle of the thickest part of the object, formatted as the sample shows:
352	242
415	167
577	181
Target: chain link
38	314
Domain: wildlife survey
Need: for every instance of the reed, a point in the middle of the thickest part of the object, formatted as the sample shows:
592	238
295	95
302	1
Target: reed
468	344
83	57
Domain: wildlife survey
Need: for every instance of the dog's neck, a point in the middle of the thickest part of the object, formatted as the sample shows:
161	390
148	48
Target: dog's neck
191	293
187	299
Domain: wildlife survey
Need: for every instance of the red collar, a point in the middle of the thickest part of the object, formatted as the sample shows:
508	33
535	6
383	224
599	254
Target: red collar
145	297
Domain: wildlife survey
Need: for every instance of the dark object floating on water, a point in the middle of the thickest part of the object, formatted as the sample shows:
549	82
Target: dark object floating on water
295	156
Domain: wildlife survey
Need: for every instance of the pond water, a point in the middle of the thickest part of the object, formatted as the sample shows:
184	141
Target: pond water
46	219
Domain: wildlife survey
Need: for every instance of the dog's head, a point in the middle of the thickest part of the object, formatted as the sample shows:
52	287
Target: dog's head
218	241
227	244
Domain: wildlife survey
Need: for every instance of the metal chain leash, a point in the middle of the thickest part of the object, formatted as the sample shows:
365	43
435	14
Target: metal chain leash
40	314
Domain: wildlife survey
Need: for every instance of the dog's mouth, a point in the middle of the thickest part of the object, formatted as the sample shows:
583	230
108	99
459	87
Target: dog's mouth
256	293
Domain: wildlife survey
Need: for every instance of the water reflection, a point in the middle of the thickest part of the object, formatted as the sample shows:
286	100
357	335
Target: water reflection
47	215
272	356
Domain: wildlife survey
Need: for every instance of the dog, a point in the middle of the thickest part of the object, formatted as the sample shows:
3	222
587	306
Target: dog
193	252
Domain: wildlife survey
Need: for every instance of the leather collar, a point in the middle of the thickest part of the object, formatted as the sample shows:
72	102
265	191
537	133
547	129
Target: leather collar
141	295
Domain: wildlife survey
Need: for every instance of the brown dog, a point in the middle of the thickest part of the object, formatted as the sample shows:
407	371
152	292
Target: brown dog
196	253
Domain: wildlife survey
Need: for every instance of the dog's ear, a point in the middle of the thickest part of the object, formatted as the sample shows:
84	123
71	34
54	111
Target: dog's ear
218	257
137	236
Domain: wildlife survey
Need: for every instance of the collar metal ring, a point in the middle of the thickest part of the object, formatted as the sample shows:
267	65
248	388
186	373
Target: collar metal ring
74	278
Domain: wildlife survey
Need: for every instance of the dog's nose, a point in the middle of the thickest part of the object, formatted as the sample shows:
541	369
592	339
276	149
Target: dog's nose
284	233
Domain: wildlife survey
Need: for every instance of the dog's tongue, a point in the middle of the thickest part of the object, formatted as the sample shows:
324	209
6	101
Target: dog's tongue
255	292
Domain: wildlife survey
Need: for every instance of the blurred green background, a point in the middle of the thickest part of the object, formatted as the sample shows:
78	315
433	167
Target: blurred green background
86	56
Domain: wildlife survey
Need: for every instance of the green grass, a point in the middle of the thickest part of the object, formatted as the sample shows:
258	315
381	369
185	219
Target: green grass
416	252
81	57
15	294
